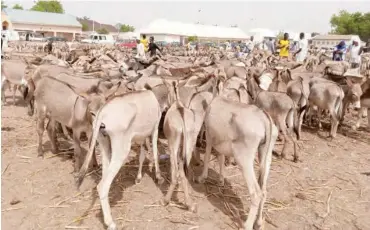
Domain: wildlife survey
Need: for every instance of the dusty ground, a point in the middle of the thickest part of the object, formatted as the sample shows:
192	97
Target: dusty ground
330	189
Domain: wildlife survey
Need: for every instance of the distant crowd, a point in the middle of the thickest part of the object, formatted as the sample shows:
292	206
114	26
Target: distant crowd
297	51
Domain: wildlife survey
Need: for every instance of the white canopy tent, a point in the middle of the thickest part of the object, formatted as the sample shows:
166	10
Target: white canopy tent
129	35
163	26
260	33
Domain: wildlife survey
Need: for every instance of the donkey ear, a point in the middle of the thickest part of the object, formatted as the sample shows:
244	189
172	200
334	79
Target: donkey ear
193	81
349	82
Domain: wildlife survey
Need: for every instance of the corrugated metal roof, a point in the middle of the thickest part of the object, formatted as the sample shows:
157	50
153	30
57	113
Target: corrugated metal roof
163	26
97	25
333	37
42	18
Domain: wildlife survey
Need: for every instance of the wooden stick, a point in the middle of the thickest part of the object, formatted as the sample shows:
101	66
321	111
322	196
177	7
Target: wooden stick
6	168
11	209
75	227
61	202
328	205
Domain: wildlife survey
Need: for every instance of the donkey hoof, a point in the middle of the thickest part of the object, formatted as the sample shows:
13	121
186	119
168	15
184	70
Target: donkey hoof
164	201
138	180
193	208
54	150
160	180
296	160
40	153
112	226
258	225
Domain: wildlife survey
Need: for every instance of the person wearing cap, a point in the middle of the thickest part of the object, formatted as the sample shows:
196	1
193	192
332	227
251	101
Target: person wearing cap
302	47
355	51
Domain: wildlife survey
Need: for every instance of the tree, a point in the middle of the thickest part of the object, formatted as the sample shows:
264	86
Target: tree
314	34
3	6
85	18
85	27
280	35
192	38
18	7
102	31
126	28
118	26
351	23
53	6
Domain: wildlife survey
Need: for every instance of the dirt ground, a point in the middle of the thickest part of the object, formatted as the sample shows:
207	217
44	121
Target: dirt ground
330	189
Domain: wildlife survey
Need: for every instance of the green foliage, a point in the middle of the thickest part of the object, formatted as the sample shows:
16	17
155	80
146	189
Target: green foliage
102	31
314	34
126	28
3	6
53	6
18	7
192	38
351	23
280	35
85	27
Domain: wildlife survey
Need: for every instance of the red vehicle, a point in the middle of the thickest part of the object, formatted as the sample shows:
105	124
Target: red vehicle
127	43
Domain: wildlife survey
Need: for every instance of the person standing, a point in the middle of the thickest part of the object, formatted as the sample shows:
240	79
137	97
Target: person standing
283	45
144	41
302	47
4	41
250	44
50	46
340	51
140	49
153	47
355	51
270	45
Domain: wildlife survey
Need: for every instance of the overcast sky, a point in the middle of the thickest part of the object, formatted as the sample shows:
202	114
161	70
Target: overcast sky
297	16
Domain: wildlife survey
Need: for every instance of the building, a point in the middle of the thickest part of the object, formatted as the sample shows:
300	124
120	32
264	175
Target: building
6	23
95	26
172	31
331	40
45	23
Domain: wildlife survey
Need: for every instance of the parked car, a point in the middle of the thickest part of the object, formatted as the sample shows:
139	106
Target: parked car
56	39
175	44
99	39
161	43
29	36
128	43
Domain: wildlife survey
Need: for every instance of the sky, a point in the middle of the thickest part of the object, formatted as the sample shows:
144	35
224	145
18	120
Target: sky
297	16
